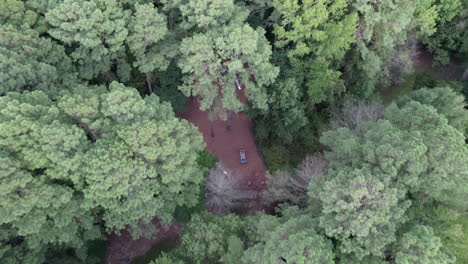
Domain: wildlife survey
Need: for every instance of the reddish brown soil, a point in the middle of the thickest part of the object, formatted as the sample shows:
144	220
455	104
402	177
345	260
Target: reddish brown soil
122	249
225	146
424	61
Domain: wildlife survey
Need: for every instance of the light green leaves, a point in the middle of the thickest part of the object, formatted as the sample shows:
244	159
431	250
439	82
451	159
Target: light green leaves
94	30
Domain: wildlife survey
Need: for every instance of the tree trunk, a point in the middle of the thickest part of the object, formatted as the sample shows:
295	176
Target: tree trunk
85	126
229	121
148	82
109	76
212	128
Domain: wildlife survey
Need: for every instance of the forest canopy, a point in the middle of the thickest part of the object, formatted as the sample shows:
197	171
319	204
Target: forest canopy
357	109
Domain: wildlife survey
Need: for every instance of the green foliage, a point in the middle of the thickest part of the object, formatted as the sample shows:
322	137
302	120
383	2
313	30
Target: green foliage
235	250
205	237
445	174
212	61
419	246
18	14
315	22
373	167
362	210
97	159
207	14
166	259
93	31
450	35
167	91
31	62
321	30
445	101
147	31
206	160
382	28
285	115
448	224
292	241
276	157
79	159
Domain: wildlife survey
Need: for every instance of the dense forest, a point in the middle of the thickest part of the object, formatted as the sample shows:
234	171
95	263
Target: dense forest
358	112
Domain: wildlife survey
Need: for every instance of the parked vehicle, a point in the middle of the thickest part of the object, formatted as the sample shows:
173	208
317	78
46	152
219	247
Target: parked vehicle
242	156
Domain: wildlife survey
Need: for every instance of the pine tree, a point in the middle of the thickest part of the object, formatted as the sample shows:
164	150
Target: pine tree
94	159
31	62
93	31
147	31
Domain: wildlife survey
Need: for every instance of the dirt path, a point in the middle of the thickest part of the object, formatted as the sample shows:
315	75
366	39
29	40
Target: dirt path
225	146
122	249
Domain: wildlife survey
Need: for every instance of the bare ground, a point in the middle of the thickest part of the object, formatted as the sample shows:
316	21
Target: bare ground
225	147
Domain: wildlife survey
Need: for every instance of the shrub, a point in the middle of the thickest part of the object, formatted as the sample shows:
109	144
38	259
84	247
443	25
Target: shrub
206	160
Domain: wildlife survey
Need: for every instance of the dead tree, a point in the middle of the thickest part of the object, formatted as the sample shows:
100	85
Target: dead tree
293	187
354	114
225	192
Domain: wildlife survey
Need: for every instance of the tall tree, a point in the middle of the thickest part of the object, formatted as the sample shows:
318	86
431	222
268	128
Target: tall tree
448	35
98	159
93	31
446	101
379	161
203	15
205	236
319	33
361	210
18	14
445	177
285	115
449	224
421	246
288	240
383	161
223	60
382	26
31	62
147	31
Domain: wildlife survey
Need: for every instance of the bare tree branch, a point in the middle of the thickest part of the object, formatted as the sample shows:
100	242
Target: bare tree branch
293	187
224	191
354	114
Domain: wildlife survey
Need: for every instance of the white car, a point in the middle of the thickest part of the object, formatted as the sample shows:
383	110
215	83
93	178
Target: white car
242	156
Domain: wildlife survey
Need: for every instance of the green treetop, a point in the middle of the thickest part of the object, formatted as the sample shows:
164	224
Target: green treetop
147	30
219	62
446	101
18	14
206	236
361	210
98	159
421	246
382	26
319	33
445	177
288	240
30	62
94	31
204	15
